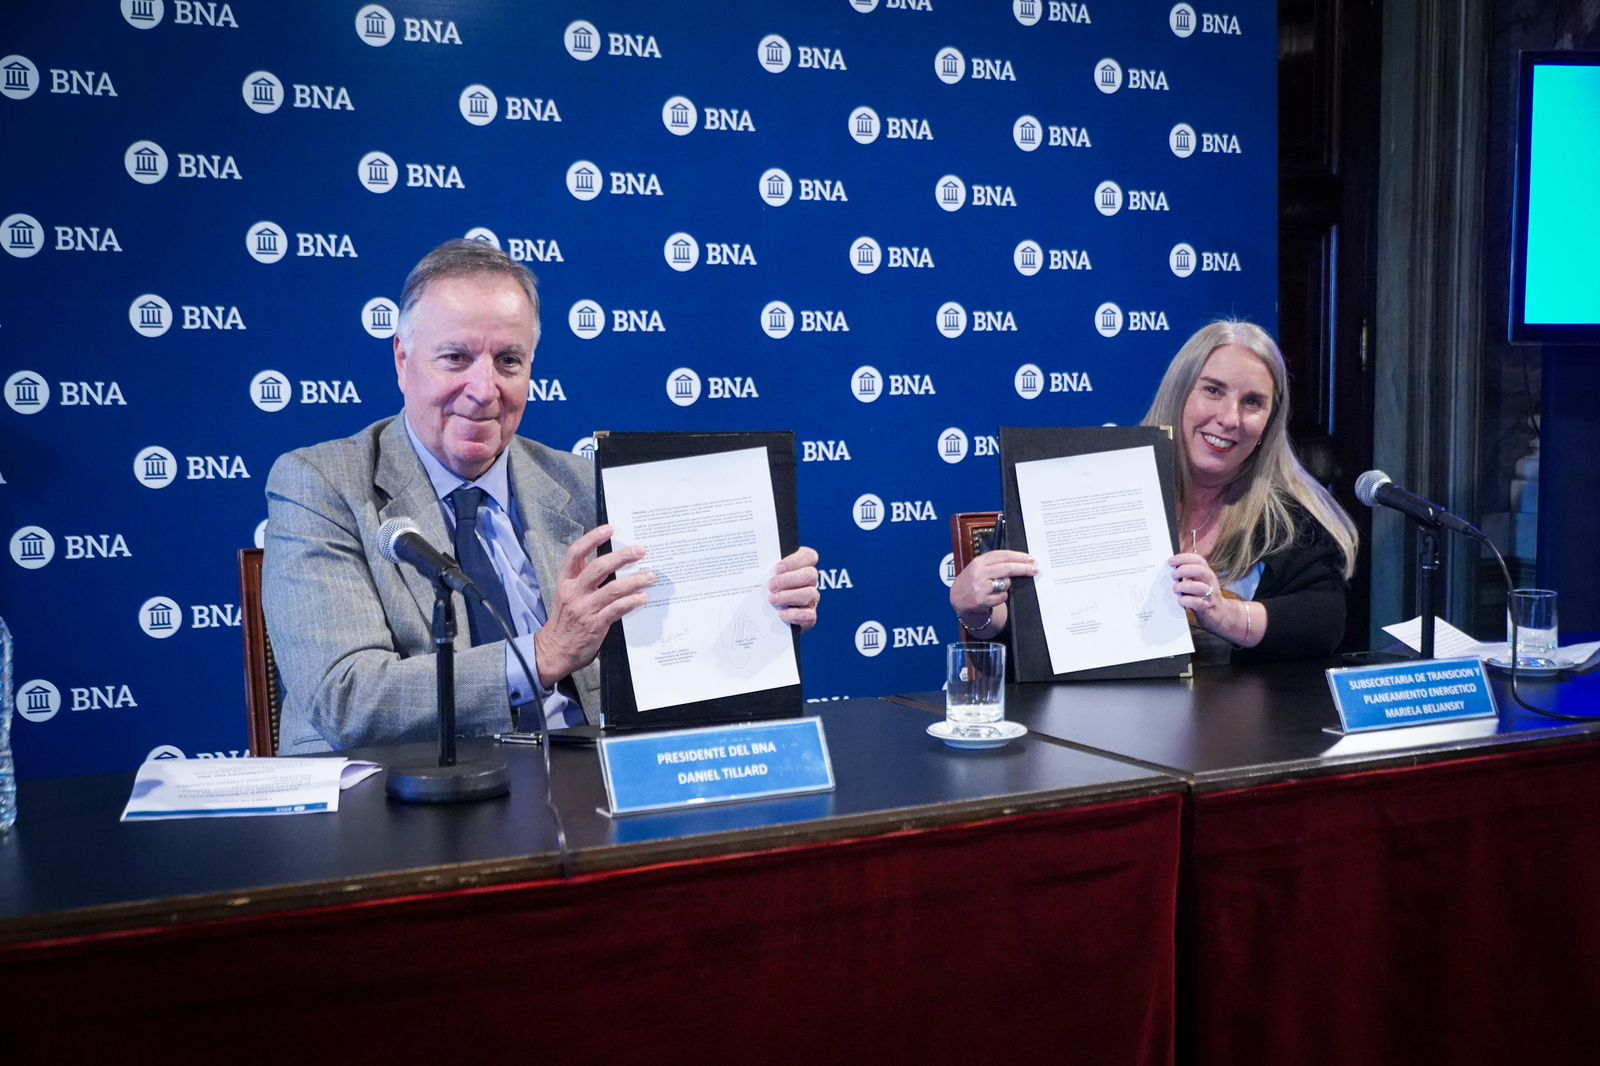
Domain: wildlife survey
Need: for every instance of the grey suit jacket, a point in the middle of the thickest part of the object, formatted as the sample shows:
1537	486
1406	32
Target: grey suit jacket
350	630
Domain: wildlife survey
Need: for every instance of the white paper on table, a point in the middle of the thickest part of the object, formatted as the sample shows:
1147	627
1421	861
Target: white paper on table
1451	643
711	526
1097	526
229	788
1448	641
1575	654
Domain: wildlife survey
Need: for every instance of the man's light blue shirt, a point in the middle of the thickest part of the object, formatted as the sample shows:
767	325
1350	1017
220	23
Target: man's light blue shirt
501	537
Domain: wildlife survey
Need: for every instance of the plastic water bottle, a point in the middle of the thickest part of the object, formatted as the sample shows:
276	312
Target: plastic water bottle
8	770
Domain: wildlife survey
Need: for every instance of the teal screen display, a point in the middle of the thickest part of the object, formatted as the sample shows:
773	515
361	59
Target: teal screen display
1563	252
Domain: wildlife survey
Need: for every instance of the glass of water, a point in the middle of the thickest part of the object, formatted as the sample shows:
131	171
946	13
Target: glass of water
975	685
1534	611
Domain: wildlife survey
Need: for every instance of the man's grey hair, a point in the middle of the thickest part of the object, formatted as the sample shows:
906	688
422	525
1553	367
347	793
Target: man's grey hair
462	258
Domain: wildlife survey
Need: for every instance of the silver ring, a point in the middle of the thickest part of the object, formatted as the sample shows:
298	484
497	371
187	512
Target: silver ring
999	585
1209	590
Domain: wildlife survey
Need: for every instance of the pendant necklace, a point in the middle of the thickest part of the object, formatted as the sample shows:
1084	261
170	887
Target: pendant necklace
1194	534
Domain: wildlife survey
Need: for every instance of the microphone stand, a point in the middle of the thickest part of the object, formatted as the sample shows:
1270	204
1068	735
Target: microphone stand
450	781
444	658
1427	583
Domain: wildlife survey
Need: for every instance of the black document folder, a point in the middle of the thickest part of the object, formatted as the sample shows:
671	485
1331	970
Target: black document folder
617	697
1030	654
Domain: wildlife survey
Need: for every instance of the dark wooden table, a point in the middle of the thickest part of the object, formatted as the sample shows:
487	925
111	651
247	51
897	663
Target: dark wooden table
1226	727
1424	894
932	883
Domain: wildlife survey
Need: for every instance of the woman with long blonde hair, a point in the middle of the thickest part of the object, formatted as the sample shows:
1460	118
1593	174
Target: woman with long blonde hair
1266	553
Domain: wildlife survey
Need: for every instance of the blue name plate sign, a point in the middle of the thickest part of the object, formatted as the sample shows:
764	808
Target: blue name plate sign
719	764
1411	693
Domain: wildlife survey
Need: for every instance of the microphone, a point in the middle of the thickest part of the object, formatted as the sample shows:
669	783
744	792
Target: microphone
448	781
1374	488
399	540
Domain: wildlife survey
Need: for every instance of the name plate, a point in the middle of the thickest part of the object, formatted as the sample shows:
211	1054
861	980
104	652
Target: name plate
1411	693
719	764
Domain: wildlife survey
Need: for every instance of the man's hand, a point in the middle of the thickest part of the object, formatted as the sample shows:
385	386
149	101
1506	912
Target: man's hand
794	589
585	608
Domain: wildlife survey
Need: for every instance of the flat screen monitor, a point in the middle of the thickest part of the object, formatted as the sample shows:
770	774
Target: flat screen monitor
1555	225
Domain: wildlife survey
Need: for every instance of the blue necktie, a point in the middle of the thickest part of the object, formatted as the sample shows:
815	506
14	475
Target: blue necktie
477	565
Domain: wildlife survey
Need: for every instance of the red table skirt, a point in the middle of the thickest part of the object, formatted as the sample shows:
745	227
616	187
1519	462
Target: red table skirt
1445	913
1045	937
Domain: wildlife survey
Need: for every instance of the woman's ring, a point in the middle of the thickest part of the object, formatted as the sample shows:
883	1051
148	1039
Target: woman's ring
1210	589
999	585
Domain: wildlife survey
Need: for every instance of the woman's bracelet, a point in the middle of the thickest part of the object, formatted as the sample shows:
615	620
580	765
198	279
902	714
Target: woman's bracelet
980	627
1245	643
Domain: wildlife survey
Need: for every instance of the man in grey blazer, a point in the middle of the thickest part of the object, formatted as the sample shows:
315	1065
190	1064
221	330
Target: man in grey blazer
351	631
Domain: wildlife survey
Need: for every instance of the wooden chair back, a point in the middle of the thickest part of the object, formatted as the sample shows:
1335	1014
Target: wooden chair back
263	696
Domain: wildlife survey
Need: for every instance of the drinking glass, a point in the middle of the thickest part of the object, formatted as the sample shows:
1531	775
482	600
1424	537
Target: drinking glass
975	688
1534	611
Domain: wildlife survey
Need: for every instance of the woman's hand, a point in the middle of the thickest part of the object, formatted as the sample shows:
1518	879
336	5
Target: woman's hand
1199	591
980	591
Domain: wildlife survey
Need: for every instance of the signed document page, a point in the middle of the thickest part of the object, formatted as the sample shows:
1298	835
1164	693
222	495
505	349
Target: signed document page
711	527
1097	526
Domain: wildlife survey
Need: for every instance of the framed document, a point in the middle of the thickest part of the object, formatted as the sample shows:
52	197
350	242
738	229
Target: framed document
1097	507
716	512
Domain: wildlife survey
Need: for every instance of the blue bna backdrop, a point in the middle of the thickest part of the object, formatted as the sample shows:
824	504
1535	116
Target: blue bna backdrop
892	226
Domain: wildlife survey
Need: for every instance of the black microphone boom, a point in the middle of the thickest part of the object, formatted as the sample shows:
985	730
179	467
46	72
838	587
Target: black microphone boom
399	540
1374	488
